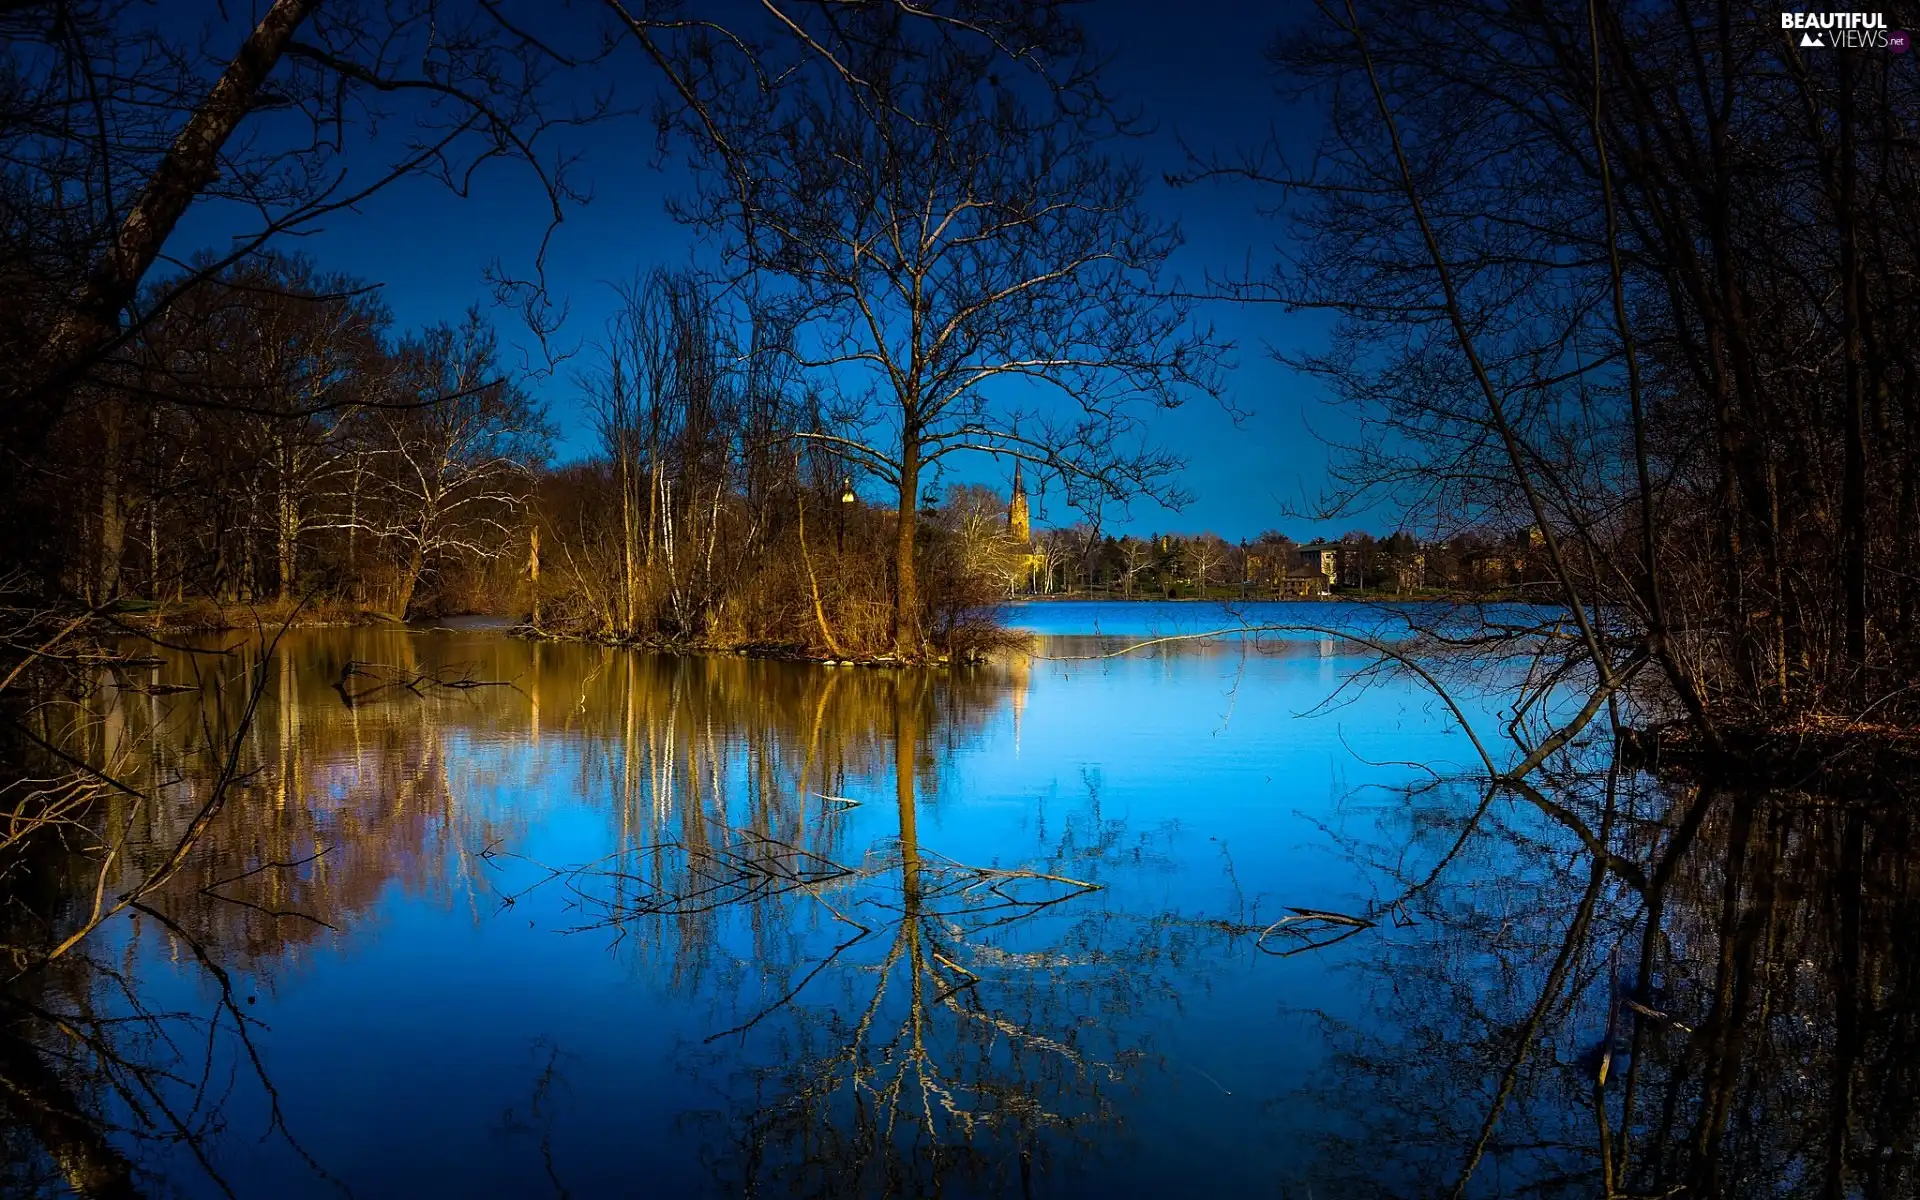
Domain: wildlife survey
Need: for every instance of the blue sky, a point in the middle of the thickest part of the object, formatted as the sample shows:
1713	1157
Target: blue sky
1198	76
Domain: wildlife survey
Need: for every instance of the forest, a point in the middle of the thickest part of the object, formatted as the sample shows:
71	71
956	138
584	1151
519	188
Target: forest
271	447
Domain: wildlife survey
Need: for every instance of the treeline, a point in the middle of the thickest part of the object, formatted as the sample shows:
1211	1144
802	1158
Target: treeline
1079	559
270	439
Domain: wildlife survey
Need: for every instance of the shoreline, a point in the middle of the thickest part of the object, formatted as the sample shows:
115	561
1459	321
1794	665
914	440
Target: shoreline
1828	756
186	618
1332	598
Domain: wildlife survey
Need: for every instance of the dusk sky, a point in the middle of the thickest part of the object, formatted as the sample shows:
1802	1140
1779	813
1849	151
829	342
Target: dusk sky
1200	77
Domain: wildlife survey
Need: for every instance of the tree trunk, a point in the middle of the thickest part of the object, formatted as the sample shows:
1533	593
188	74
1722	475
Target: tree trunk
806	559
153	509
713	537
629	544
906	596
409	583
533	573
113	517
1853	495
353	536
190	164
653	506
286	530
249	535
219	565
153	546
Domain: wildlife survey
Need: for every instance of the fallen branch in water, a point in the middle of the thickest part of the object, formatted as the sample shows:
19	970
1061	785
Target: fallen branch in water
1306	924
454	676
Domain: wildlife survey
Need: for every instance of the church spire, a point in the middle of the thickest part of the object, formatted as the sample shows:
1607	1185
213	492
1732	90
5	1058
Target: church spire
1019	526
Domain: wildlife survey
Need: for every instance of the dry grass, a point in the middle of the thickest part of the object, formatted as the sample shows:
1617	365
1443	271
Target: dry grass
211	616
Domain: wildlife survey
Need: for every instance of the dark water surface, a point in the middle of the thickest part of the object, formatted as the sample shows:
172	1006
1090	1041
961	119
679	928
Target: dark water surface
634	924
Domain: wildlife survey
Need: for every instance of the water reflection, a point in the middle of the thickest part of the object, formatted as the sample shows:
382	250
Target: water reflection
369	771
958	1028
351	790
480	916
1727	1010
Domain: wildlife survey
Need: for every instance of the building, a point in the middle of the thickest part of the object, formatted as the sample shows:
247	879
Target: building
1322	559
1276	574
1516	558
1483	569
1338	563
1026	563
1019	520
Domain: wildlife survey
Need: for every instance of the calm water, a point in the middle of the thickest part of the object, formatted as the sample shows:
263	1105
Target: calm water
628	924
1156	619
1144	619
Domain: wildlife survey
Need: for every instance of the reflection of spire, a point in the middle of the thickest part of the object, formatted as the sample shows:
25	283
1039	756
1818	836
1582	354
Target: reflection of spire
1021	678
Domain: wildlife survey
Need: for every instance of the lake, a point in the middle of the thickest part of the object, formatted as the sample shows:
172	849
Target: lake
480	916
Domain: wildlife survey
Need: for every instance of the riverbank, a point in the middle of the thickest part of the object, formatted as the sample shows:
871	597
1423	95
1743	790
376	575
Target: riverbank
209	616
201	616
1826	756
977	650
160	618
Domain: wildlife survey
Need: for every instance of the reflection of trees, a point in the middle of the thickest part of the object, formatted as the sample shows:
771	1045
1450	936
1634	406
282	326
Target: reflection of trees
1747	1028
961	1047
334	802
244	809
337	801
723	776
902	1021
345	764
899	1018
948	1023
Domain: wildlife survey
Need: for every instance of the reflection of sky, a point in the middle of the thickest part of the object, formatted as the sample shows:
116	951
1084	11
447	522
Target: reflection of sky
1218	749
1143	619
407	1049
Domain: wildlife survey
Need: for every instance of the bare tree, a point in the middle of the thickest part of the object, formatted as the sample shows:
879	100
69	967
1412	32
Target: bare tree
1208	553
1136	557
1601	288
977	517
453	468
957	246
628	390
282	357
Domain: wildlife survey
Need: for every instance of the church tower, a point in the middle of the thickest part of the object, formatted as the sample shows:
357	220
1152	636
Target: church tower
1019	527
